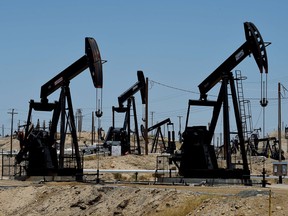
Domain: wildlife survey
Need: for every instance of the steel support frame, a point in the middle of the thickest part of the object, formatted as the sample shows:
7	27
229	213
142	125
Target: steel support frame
223	101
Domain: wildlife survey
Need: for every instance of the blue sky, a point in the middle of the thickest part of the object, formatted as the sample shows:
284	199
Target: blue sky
176	44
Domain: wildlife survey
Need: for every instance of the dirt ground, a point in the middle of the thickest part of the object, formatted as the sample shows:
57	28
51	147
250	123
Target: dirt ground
111	197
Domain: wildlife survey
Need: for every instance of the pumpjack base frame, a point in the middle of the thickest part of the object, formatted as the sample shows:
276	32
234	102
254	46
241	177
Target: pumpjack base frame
218	173
54	173
204	181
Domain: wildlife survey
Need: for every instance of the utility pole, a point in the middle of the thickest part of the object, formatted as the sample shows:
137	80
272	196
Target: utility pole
146	118
152	114
179	133
79	118
12	117
279	127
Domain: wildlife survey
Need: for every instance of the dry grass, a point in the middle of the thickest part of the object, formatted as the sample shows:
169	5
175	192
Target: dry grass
186	208
90	157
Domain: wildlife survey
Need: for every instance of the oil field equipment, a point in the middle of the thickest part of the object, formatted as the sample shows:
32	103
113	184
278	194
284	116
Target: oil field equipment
267	147
196	157
171	147
120	136
38	146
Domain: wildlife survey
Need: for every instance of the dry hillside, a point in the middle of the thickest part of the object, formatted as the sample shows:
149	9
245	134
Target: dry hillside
37	197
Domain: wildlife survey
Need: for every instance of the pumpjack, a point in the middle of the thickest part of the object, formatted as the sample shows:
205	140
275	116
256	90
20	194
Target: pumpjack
196	157
121	135
171	136
267	149
38	146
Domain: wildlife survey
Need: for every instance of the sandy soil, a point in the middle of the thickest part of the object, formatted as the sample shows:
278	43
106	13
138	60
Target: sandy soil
37	197
66	198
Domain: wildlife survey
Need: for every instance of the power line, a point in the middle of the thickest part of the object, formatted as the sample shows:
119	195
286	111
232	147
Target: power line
172	87
267	98
179	89
193	92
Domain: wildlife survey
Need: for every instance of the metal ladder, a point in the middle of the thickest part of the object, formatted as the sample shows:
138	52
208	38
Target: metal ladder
244	107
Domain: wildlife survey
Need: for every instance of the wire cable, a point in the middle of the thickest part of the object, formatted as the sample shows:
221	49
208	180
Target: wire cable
172	87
